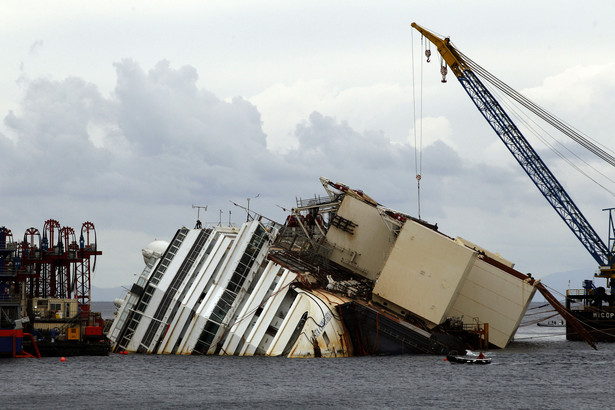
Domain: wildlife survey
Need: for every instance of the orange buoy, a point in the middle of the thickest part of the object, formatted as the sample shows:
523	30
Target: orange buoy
63	359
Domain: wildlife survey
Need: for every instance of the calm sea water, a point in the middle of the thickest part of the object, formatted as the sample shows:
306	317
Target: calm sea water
540	369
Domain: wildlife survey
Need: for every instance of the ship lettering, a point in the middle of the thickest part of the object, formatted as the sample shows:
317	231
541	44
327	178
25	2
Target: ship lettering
603	315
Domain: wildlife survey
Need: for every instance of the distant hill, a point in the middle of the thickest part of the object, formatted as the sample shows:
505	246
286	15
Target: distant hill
558	283
107	294
106	309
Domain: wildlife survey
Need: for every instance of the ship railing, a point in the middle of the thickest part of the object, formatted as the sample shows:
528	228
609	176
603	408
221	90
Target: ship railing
583	292
577	305
481	330
473	326
62	330
271	225
315	201
8	272
9	300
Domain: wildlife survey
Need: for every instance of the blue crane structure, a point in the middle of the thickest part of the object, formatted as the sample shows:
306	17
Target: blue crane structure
526	156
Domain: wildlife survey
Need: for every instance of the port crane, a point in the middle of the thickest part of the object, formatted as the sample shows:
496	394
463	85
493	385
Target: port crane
466	72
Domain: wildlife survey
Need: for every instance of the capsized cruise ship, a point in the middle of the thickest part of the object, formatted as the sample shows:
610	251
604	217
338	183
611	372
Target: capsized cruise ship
343	276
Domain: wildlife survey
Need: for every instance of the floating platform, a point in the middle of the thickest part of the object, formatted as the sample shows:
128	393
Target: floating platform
67	348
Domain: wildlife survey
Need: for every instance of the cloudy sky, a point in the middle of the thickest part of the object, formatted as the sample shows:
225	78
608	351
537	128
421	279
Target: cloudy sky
126	113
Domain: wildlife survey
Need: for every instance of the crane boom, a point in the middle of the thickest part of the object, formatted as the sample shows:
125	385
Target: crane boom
523	152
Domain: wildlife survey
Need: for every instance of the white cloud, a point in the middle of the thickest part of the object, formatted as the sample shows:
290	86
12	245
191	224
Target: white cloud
575	89
431	129
378	107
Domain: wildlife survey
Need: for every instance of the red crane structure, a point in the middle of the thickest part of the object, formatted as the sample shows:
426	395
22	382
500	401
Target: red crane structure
45	287
56	265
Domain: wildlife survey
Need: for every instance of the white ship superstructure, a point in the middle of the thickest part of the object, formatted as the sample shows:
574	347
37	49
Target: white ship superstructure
214	292
150	303
229	287
198	286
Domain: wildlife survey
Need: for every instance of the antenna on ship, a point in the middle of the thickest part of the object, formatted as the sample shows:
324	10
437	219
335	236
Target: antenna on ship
198	215
248	199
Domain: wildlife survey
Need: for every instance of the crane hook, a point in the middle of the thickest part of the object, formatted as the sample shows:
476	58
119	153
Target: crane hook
443	71
428	54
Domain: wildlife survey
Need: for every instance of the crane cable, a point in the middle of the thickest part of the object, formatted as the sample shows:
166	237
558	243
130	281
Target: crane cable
591	145
418	136
529	123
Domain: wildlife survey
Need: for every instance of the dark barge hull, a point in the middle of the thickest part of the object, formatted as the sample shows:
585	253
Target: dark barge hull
602	329
67	348
374	332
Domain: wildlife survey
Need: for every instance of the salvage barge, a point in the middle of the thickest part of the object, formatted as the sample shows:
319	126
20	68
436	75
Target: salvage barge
343	276
593	307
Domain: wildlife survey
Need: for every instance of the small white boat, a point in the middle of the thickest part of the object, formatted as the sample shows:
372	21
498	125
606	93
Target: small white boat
552	323
480	359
